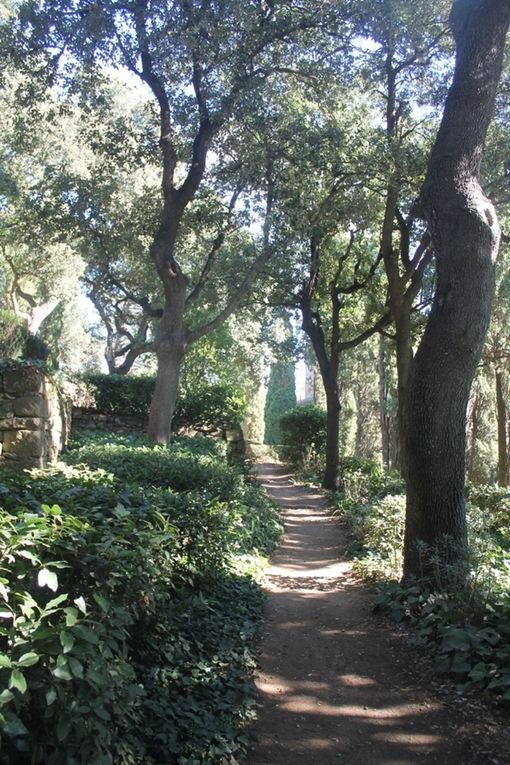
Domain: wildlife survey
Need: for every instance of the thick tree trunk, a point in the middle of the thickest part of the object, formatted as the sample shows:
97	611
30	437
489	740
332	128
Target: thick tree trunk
329	367
472	435
331	472
170	346
501	412
465	235
384	417
404	356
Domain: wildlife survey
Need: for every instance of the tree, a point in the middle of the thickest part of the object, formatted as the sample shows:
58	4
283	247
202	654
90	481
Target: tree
408	38
325	206
202	63
465	235
40	265
281	396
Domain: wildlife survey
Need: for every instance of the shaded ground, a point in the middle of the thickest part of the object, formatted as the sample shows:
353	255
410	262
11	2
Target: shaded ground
338	685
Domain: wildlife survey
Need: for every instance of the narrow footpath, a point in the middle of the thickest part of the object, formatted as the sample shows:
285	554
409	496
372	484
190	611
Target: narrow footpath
338	684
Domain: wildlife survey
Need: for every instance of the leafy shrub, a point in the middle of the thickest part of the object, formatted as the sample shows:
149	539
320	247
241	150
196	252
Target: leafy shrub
466	625
494	502
122	394
13	334
176	468
17	342
207	408
303	430
364	479
126	647
469	640
210	408
64	667
35	347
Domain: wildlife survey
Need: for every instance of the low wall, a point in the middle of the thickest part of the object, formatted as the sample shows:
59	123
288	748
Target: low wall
90	419
34	418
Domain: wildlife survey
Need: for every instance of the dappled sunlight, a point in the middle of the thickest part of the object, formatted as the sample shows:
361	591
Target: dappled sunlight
413	739
331	683
356	680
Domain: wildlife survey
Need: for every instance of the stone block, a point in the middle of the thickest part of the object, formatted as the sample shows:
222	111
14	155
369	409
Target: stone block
19	465
21	423
6	408
23	444
23	380
31	406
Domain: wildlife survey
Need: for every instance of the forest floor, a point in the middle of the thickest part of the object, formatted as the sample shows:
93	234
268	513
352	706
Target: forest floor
338	684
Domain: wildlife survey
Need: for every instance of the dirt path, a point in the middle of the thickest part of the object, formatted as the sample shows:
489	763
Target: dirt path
338	685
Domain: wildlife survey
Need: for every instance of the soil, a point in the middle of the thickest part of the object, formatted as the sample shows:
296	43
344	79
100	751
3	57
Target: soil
338	684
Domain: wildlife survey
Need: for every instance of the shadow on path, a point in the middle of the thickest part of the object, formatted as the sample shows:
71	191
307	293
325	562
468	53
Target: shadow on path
334	682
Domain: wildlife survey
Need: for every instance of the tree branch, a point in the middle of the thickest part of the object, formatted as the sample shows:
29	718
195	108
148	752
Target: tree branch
214	251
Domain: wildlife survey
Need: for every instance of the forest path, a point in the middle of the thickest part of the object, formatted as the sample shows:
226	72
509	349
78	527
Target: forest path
336	684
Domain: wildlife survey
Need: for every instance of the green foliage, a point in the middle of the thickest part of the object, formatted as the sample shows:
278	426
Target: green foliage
125	646
176	468
372	503
13	334
35	348
467	626
210	408
470	639
16	341
205	407
121	394
303	432
281	397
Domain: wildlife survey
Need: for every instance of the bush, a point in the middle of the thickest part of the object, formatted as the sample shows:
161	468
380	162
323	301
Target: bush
303	432
208	408
13	334
122	394
465	624
126	647
17	342
175	467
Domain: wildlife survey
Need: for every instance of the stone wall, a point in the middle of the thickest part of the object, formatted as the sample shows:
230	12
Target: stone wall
34	418
91	419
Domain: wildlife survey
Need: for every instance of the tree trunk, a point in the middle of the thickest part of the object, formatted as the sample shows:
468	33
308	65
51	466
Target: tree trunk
328	367
472	435
170	346
465	234
384	418
404	356
331	472
502	431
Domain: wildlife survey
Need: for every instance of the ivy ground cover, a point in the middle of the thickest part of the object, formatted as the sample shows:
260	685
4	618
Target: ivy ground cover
463	620
129	604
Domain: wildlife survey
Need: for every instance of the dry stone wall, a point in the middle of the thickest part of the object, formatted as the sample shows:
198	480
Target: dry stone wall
91	419
34	418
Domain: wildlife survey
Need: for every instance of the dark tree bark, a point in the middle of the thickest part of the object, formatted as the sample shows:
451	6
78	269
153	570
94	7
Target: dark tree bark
472	435
173	335
465	235
384	417
502	417
328	351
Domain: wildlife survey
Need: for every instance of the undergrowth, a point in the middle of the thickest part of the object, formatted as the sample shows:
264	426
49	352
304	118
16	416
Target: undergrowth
467	626
129	604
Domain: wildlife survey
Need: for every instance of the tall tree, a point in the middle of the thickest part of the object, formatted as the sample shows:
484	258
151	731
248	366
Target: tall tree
465	234
199	61
408	39
281	396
